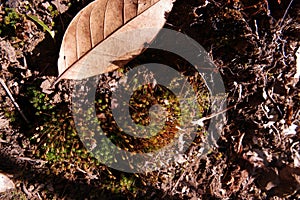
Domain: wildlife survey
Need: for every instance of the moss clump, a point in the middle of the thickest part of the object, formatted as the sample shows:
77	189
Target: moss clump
54	136
9	19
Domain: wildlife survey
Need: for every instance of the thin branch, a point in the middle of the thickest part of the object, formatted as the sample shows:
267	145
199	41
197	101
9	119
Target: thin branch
13	100
32	160
200	121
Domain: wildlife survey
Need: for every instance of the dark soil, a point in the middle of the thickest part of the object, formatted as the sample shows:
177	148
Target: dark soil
252	43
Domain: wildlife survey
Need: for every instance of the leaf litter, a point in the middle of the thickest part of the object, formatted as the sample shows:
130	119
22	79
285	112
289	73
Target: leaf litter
257	155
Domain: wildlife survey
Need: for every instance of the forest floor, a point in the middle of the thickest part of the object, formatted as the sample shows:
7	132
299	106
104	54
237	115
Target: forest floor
254	45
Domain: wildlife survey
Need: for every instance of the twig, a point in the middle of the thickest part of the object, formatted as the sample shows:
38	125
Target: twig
13	100
32	160
200	121
26	191
3	141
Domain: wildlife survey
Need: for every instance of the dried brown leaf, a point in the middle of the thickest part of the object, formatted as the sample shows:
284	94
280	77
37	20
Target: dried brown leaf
107	30
5	183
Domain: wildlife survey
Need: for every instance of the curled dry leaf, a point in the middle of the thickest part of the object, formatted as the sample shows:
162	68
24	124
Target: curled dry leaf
106	31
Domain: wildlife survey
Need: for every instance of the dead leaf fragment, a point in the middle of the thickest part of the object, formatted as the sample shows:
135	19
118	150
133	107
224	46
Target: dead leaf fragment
60	6
289	181
5	183
268	178
45	85
105	31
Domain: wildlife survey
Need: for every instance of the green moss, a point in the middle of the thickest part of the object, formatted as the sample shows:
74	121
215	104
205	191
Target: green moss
54	137
9	18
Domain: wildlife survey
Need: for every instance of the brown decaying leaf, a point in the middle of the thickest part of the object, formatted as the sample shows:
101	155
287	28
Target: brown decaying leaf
95	38
60	6
5	183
